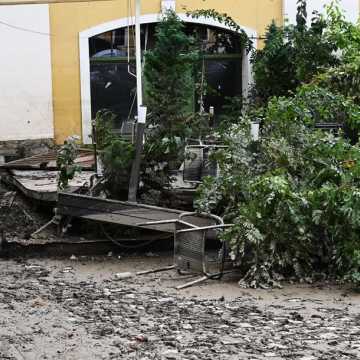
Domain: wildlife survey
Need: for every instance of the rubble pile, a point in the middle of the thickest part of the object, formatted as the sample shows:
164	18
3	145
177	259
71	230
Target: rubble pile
124	320
18	217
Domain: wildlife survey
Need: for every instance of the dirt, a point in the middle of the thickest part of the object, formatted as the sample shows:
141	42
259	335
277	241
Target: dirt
19	217
79	309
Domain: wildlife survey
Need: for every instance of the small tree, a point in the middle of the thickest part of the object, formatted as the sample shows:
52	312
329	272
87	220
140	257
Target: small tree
65	161
168	74
116	154
274	66
169	94
292	55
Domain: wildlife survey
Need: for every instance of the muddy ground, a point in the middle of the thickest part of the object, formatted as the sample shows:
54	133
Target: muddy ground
77	309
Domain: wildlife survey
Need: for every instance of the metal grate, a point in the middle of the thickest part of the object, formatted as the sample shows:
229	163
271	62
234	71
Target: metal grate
198	163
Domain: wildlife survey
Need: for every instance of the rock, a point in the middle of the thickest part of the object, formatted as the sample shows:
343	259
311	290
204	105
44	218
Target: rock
170	354
73	257
187	327
141	338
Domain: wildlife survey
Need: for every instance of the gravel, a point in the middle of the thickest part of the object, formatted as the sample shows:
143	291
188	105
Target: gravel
49	310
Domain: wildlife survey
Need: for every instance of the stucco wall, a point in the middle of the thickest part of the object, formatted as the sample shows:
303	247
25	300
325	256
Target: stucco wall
25	78
255	14
350	7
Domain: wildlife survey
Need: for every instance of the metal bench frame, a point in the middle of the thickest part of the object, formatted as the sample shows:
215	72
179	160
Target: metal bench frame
190	247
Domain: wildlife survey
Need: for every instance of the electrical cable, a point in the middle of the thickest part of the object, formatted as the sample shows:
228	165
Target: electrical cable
24	29
120	243
128	26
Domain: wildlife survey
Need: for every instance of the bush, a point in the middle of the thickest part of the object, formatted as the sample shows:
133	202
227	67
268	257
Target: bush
293	195
292	55
313	105
116	155
65	162
343	79
117	159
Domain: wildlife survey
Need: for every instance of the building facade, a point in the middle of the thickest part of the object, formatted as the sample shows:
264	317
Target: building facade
56	66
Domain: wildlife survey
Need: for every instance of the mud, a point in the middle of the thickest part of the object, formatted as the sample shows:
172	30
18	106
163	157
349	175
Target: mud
19	217
79	309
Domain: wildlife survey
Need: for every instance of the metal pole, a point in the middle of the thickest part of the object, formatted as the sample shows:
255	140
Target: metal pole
138	55
140	127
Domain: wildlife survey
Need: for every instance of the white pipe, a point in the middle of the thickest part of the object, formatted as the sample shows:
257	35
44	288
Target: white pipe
255	129
138	55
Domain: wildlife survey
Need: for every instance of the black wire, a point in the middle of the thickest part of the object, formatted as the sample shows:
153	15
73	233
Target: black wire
48	34
24	29
137	246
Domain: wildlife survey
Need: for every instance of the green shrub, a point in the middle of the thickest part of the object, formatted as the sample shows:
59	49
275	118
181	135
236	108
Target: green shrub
65	162
343	79
293	194
169	84
292	55
116	155
314	105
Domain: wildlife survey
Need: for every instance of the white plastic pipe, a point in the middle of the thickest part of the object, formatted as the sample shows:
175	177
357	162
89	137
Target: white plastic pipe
138	56
255	128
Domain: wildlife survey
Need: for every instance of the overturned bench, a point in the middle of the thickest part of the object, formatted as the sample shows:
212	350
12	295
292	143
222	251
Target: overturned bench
191	231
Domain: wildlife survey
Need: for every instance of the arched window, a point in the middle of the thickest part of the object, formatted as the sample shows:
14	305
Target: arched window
113	85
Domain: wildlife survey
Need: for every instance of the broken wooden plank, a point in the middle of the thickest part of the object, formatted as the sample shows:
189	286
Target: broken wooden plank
48	161
42	184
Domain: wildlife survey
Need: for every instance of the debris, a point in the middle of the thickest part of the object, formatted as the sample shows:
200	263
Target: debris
133	320
123	276
152	271
170	354
7	199
18	218
52	221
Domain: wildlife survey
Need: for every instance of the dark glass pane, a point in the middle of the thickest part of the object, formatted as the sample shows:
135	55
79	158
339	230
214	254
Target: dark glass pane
112	88
223	79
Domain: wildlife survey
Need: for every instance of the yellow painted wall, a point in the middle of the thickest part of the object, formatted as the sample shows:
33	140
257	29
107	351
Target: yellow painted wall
67	20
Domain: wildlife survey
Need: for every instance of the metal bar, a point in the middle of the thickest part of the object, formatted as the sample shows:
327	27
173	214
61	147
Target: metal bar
206	228
163	222
191	283
153	271
206	146
202	215
42	227
116	202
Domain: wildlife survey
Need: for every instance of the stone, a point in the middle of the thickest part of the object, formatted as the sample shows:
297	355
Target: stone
170	354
